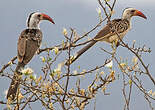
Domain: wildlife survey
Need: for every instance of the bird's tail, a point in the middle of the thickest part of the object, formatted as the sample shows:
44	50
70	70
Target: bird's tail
15	82
80	52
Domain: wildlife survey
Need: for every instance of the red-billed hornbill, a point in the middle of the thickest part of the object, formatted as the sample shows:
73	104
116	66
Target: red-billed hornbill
28	43
111	31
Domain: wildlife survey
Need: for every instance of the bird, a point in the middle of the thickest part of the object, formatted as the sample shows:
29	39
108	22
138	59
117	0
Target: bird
108	32
28	44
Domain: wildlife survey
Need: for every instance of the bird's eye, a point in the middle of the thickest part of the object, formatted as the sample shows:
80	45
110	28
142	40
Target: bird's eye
132	11
39	15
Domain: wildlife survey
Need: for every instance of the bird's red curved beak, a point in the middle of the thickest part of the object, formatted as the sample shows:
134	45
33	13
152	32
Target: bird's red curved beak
138	13
46	17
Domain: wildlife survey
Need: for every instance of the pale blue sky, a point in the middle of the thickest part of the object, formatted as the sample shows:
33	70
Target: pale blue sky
81	15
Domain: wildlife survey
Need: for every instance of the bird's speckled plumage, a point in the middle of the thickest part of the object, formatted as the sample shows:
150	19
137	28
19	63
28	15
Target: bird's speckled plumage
28	43
107	34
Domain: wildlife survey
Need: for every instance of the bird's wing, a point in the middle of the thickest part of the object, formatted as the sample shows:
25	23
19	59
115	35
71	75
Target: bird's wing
118	25
21	46
106	31
28	45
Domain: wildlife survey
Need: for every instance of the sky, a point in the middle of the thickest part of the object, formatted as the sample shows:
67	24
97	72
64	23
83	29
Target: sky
82	16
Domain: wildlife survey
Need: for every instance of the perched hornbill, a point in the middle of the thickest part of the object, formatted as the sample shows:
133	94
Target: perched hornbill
28	43
108	34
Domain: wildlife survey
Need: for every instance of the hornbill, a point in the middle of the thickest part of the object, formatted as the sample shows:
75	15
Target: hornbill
28	43
111	31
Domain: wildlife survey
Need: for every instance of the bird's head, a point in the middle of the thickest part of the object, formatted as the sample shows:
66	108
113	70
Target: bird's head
35	18
129	12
